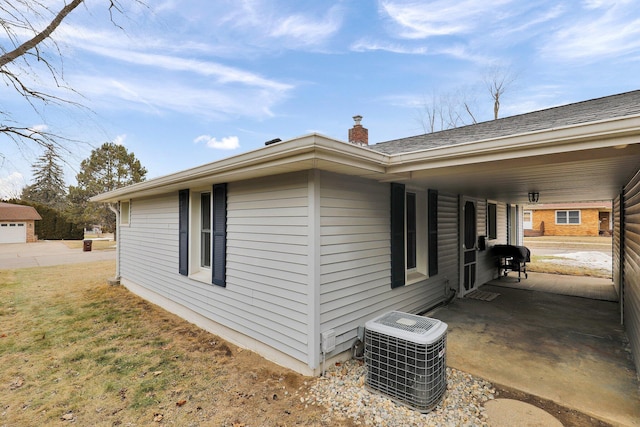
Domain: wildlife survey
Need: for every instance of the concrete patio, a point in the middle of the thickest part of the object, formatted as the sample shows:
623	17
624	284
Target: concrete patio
568	349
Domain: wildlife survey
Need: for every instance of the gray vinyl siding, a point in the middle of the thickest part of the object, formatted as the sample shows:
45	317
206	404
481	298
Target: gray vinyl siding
503	228
448	239
149	245
484	271
486	268
631	287
267	238
265	296
355	282
617	244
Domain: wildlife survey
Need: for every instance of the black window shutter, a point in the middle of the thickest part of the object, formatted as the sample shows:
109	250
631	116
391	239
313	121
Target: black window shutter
397	235
219	230
432	228
183	232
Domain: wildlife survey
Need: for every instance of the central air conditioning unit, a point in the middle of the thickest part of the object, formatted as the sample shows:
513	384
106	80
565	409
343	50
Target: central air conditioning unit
405	357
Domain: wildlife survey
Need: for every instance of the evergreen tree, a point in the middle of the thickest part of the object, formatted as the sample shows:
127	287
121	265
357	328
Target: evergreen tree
109	167
48	186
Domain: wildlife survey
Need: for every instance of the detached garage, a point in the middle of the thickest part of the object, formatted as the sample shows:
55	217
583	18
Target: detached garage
17	223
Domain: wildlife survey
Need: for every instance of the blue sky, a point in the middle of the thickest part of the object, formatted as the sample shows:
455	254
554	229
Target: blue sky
192	81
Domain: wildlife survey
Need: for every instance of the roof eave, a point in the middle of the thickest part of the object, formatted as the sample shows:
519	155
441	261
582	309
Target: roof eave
303	153
601	134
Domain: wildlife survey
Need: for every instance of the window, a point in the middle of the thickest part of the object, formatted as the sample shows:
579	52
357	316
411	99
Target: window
125	209
413	235
527	220
568	217
492	221
205	230
202	248
411	230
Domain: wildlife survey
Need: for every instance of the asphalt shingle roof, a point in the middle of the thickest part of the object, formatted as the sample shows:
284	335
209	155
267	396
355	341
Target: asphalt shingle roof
11	212
620	105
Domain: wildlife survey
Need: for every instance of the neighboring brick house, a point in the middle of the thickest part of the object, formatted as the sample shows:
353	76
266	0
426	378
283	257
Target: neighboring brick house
570	219
17	223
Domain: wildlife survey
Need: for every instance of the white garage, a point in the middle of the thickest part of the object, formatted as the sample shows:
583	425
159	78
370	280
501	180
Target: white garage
13	232
17	223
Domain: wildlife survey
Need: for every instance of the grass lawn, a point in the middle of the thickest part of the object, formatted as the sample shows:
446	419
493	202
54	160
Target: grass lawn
545	264
74	349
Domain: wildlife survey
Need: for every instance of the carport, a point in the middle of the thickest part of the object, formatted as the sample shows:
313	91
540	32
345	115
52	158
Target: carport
568	349
582	152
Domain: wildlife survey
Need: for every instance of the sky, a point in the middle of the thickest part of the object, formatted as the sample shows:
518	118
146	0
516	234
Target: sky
181	83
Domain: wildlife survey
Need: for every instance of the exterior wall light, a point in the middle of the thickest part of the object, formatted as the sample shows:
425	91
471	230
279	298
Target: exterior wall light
534	196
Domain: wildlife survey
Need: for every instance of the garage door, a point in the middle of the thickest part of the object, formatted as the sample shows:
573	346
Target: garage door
13	232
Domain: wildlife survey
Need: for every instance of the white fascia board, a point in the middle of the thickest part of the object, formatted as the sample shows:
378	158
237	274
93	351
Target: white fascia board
303	153
602	134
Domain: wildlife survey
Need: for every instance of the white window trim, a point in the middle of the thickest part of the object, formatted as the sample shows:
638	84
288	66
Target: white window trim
527	225
196	271
125	219
567	213
488	220
420	272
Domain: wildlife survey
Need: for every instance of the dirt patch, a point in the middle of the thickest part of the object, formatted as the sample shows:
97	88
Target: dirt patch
568	417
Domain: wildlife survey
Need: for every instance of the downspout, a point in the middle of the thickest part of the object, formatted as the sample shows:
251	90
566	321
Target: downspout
116	280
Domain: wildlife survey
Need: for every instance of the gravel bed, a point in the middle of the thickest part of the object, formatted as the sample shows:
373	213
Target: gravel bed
343	392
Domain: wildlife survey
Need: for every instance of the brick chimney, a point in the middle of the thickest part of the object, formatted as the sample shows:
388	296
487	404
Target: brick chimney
358	135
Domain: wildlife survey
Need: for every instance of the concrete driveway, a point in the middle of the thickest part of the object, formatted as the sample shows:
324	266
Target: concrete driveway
567	349
44	253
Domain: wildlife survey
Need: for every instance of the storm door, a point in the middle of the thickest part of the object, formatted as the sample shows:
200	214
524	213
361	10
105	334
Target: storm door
468	240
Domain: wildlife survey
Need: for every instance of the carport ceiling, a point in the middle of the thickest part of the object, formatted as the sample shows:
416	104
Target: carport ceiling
589	175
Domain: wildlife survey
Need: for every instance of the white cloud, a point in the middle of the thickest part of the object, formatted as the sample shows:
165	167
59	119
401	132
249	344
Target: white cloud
226	143
596	4
455	50
223	73
119	140
216	102
40	127
307	30
370	45
174	82
11	185
606	30
420	19
260	22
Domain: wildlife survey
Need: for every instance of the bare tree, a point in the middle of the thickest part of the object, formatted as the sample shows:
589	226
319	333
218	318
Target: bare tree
30	55
430	114
448	110
459	107
497	80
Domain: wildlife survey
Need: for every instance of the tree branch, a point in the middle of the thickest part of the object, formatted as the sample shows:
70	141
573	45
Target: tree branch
39	37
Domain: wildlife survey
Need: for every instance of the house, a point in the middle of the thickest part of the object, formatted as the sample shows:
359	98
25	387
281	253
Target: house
17	223
289	249
568	219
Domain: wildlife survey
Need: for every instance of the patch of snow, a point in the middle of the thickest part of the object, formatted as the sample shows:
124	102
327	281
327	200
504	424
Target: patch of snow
596	260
